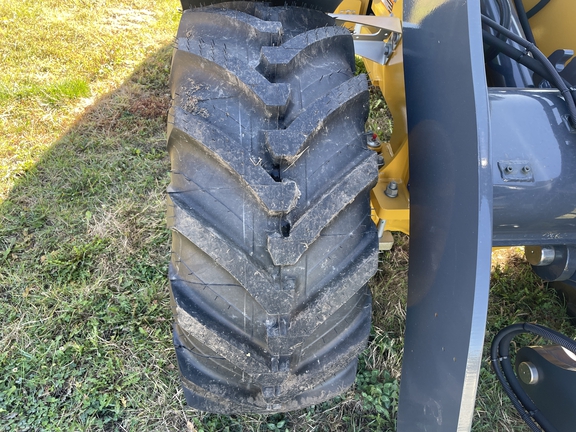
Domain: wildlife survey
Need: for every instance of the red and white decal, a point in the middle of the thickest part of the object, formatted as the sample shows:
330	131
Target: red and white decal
389	4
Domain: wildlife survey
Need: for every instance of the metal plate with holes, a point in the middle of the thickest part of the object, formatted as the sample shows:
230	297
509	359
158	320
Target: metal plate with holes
516	171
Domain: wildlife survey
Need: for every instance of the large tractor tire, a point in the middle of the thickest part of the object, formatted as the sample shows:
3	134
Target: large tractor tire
273	244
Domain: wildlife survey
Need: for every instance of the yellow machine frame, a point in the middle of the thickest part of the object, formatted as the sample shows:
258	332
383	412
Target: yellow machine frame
393	214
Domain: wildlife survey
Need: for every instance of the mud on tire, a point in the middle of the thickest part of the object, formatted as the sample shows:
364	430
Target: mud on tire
272	243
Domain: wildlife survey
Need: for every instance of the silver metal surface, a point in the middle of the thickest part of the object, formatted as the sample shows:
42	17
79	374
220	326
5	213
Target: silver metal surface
377	46
373	142
528	373
381	226
391	190
540	255
562	267
389	24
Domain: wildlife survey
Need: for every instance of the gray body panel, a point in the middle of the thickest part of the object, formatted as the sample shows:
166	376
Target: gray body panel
529	131
451	215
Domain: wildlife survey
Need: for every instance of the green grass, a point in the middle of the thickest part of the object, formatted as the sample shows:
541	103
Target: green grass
50	93
85	321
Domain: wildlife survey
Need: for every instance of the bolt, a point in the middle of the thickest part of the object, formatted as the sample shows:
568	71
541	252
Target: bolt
540	255
508	169
391	190
528	373
372	141
526	169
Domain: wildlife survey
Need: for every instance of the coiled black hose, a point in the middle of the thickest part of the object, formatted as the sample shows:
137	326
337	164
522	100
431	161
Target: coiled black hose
537	8
500	358
557	80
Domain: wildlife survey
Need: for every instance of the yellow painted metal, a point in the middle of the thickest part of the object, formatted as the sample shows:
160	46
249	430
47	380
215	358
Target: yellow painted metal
553	26
390	79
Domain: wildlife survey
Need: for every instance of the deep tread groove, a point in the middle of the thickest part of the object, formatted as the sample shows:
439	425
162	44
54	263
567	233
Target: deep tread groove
285	145
276	197
277	62
335	294
249	274
274	97
288	249
251	364
232	33
269	208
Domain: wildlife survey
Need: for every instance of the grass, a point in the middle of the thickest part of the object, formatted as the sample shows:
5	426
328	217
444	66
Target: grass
85	322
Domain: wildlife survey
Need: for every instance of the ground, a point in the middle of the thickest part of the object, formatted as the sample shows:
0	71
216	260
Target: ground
85	323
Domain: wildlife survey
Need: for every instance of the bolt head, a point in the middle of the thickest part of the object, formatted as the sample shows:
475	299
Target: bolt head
528	373
540	255
391	190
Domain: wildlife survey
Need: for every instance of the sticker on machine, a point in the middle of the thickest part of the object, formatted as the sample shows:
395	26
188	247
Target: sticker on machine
389	4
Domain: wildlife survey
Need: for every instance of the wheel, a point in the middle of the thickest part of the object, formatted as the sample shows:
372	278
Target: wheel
272	244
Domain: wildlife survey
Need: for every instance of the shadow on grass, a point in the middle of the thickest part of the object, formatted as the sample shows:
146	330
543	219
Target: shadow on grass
84	305
84	310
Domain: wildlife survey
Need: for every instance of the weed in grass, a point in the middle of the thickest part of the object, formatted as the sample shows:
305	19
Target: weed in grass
378	393
379	118
73	263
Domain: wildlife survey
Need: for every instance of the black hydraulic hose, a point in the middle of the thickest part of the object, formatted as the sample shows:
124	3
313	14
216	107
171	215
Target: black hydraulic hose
527	408
524	20
506	12
557	80
505	17
498	358
521	57
515	54
537	8
499	353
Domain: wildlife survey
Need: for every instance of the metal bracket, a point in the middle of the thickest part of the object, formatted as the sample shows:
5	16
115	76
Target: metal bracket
547	374
516	171
377	46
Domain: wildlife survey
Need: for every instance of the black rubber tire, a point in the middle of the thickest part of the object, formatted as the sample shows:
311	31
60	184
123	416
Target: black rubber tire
269	203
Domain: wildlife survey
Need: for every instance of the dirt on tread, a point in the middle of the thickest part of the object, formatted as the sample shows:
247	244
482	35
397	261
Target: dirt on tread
269	205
